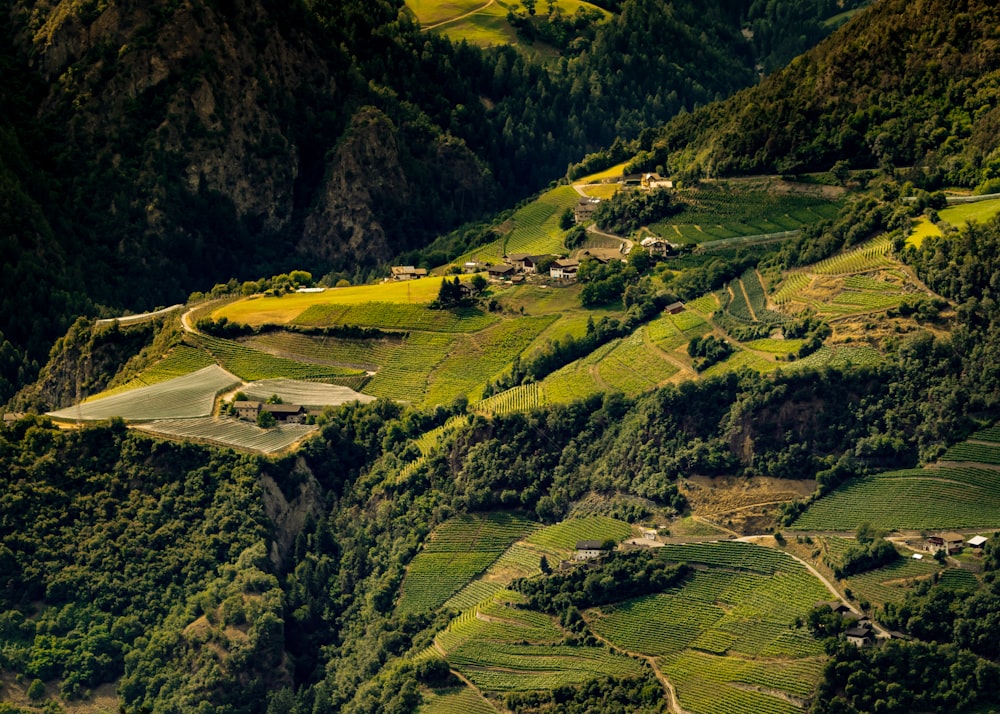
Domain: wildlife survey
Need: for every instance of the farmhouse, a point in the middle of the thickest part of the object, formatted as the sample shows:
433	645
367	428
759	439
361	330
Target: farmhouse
653	180
951	543
859	636
247	410
564	269
472	267
522	262
584	209
499	272
407	272
674	308
656	246
587	549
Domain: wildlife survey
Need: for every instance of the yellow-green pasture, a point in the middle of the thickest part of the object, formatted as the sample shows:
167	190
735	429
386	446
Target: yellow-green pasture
258	310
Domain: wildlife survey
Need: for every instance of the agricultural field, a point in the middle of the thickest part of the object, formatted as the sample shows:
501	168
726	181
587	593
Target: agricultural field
727	629
929	498
457	551
960	214
233	433
973	451
873	255
892	583
477	358
309	394
501	648
521	398
404	378
562	537
191	395
727	210
367	354
258	309
251	365
179	361
535	228
398	317
455	699
633	368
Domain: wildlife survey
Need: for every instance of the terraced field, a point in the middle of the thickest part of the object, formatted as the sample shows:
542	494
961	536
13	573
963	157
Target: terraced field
456	699
893	582
309	394
633	368
475	359
562	537
191	395
252	365
521	398
231	432
535	228
725	637
319	349
391	316
456	552
731	210
404	378
930	498
179	361
501	648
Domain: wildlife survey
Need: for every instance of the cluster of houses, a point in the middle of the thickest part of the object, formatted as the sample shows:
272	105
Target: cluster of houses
952	543
282	413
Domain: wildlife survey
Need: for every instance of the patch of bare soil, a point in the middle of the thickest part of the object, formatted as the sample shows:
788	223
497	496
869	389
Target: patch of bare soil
743	505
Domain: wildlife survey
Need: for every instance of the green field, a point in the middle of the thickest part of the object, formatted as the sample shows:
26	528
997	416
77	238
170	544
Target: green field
535	229
457	551
456	699
502	648
726	629
893	582
251	365
477	358
192	395
960	214
396	316
562	537
258	310
929	498
727	210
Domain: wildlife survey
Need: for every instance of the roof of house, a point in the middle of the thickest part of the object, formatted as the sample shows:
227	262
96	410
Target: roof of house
953	537
590	545
566	263
500	269
408	270
976	541
674	306
246	404
862	632
520	256
283	408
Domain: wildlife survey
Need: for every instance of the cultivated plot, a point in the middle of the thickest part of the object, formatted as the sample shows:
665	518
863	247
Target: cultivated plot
192	395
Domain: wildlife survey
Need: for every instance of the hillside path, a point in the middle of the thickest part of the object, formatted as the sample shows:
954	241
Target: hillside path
458	17
592	228
666	356
132	319
672	701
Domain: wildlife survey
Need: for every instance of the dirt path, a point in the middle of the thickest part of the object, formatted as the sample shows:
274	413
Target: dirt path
592	228
458	17
672	701
133	319
753	313
666	356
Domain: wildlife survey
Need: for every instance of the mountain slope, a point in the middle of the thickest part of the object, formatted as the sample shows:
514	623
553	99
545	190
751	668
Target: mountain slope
901	84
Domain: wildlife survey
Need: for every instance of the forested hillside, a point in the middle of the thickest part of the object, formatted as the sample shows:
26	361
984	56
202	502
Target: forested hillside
905	84
150	151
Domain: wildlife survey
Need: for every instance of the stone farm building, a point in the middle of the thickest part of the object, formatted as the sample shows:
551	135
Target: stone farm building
587	549
283	413
584	209
951	543
500	272
522	262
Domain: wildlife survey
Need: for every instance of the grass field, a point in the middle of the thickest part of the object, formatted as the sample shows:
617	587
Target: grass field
192	395
961	214
727	629
614	172
257	310
930	498
231	432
